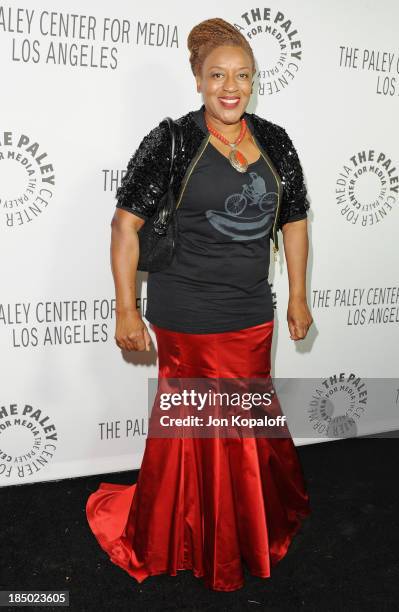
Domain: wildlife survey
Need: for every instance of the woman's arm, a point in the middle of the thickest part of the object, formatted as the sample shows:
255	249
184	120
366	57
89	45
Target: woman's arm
131	332
143	183
293	224
296	247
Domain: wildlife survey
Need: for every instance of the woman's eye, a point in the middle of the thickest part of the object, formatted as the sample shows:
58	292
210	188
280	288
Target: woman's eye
242	74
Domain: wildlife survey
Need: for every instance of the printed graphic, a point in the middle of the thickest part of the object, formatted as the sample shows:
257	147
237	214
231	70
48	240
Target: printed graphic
28	441
383	64
277	44
361	306
337	405
27	178
249	214
367	187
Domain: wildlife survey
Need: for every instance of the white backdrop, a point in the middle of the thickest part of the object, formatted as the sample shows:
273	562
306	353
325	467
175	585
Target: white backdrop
76	101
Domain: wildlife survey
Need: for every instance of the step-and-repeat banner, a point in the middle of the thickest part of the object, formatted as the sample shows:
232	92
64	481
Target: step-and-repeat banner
81	85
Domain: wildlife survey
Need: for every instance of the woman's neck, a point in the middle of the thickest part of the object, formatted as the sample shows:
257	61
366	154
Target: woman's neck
228	130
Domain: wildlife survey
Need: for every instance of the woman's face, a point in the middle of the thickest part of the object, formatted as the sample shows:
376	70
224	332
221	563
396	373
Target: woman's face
225	82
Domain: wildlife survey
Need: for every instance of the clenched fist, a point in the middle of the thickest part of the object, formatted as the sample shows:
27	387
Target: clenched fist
131	332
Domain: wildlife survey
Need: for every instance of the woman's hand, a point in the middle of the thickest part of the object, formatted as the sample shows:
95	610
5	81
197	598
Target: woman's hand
298	317
131	332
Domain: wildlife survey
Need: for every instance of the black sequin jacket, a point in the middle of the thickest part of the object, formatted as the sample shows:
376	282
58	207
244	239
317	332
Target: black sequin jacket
147	171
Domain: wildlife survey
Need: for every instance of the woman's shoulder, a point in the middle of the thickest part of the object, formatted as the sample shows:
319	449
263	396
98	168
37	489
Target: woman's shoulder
160	133
276	137
265	125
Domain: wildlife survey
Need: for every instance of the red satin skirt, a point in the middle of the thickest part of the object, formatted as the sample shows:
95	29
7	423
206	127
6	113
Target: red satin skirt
208	505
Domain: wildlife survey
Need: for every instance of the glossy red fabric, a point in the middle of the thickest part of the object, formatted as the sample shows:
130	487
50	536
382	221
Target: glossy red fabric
206	504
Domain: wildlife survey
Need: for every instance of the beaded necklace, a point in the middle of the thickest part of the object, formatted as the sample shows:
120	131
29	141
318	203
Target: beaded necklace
236	158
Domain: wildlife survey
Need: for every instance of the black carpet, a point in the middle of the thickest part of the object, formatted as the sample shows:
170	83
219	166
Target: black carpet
345	557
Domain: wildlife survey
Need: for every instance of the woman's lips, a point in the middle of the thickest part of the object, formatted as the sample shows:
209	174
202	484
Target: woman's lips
229	102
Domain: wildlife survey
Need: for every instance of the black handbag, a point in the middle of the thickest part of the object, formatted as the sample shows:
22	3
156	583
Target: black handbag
158	235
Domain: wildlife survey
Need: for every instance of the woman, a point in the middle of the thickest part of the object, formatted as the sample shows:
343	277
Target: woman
209	504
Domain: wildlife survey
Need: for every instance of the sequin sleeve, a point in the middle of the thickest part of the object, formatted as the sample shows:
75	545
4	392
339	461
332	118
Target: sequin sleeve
295	203
147	173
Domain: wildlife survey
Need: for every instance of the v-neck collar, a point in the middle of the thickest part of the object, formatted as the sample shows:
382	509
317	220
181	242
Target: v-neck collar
219	154
199	118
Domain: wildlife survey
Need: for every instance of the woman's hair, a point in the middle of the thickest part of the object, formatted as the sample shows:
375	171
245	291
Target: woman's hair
212	33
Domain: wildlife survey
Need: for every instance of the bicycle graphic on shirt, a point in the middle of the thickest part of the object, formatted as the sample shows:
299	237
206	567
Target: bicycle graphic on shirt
251	195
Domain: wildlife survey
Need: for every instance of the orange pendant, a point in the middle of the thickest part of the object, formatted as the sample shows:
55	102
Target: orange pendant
238	160
240	157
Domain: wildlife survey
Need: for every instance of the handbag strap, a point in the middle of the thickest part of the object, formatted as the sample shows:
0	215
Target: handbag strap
173	127
163	213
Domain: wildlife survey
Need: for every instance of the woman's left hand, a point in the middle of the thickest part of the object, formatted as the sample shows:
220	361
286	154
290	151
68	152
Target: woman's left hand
299	318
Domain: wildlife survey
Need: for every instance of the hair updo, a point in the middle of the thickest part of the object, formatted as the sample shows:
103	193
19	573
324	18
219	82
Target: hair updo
212	33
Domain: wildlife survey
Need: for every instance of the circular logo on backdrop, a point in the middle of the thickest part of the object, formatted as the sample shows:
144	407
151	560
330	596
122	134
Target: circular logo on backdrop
337	405
28	441
27	178
276	44
367	187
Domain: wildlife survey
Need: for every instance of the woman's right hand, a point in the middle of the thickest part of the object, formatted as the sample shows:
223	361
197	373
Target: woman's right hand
131	332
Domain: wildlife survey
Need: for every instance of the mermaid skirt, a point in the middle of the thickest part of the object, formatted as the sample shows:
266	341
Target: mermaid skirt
209	505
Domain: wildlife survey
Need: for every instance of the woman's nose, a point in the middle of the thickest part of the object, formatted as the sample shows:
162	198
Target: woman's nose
230	83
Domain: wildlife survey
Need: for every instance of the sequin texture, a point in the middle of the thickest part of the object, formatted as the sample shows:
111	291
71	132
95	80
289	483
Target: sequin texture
147	173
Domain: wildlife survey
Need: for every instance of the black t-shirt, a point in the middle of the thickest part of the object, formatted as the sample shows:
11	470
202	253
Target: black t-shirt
218	278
